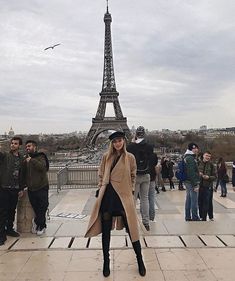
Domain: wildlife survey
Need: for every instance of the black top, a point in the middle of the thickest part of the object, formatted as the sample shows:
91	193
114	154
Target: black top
111	202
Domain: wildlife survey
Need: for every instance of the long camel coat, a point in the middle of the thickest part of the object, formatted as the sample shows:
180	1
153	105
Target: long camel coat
122	179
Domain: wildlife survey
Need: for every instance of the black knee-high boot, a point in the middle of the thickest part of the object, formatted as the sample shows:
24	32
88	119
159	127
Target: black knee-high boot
106	229
141	266
137	248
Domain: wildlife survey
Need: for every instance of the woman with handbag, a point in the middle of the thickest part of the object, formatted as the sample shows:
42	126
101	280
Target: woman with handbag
115	203
222	176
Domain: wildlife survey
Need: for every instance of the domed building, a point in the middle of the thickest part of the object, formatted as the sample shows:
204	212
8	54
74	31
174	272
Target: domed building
11	133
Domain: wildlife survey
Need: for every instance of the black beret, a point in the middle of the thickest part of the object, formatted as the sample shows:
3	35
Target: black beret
117	134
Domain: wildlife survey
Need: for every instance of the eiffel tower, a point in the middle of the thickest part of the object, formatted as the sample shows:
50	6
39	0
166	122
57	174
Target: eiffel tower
108	94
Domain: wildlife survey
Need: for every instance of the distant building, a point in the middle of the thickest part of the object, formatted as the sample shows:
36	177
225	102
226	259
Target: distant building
133	129
11	133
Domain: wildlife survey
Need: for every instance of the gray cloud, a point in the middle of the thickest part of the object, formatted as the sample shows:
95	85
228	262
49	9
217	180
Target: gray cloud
174	63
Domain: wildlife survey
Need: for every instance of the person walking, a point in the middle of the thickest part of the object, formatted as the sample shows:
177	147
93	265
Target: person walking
207	176
35	169
115	204
11	187
191	183
180	173
170	165
167	171
233	176
222	172
143	153
217	181
159	180
164	172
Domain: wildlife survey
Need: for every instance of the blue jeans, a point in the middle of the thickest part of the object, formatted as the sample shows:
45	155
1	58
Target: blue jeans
191	203
152	199
223	187
142	188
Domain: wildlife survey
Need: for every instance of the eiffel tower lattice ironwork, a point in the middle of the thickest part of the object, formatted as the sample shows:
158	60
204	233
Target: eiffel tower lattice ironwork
108	94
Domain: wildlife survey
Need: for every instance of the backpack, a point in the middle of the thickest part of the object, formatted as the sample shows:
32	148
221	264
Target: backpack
142	160
180	172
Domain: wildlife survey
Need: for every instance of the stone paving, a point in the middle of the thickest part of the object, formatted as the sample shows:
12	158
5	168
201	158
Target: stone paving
173	249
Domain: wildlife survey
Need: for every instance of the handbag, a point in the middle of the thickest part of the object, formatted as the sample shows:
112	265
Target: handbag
225	178
97	192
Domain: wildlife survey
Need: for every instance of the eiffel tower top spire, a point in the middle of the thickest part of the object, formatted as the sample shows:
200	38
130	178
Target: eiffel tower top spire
109	84
107	6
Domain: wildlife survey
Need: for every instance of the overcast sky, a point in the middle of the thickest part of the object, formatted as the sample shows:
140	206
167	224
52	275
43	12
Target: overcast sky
174	63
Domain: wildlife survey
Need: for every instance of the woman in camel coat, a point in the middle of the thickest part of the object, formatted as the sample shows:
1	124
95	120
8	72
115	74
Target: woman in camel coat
115	206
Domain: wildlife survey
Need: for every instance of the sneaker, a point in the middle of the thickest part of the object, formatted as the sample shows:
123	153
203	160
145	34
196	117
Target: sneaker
12	233
198	219
34	227
40	232
212	219
147	227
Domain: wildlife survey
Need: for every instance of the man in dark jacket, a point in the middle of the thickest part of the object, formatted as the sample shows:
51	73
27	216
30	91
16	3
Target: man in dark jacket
11	187
207	175
35	169
143	153
191	183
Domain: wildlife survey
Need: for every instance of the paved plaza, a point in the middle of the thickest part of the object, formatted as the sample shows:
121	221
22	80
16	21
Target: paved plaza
172	250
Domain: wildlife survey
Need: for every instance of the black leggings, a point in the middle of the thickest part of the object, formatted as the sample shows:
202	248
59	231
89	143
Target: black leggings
106	222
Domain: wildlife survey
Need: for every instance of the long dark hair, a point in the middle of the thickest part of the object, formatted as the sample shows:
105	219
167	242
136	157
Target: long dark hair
221	163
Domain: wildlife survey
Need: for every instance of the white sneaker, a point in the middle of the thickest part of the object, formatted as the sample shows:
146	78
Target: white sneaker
34	227
40	232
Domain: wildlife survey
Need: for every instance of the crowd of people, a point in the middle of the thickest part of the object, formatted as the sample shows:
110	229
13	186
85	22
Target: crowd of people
126	173
131	172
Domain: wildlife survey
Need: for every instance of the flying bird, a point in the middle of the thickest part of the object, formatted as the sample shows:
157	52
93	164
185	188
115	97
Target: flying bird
51	47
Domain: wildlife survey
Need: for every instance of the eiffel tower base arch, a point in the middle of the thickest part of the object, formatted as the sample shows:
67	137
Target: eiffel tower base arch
99	126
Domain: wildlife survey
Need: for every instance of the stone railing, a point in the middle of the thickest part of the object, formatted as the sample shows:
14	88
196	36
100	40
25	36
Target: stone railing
82	176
